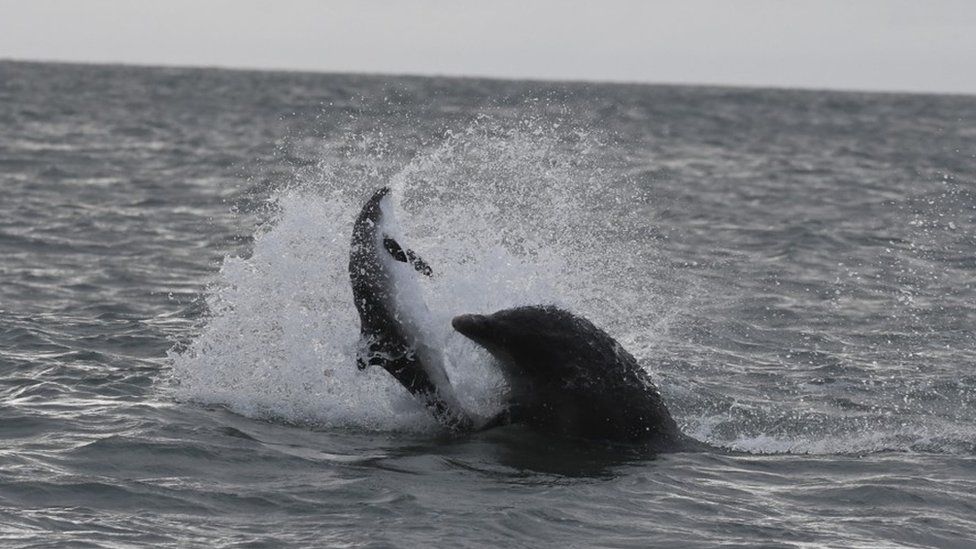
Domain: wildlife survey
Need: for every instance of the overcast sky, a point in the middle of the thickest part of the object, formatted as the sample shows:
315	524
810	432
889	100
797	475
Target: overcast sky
923	45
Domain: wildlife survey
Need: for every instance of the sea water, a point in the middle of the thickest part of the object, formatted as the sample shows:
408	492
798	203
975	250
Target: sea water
794	269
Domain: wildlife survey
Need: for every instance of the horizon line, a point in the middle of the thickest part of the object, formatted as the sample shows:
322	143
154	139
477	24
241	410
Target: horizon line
538	80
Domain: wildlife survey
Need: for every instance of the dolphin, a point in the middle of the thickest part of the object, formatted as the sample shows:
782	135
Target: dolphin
394	320
568	377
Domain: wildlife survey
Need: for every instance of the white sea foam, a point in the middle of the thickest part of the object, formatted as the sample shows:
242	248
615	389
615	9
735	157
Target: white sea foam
500	216
505	215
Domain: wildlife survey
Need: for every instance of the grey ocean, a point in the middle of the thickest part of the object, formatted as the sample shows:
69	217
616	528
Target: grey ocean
795	269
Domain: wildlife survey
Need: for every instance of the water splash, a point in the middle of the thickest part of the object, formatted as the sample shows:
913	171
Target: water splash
524	212
507	215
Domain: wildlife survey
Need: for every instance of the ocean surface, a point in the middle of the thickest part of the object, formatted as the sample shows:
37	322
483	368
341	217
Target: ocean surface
795	269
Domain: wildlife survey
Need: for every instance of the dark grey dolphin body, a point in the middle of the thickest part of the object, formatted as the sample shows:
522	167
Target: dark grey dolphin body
566	376
391	313
571	378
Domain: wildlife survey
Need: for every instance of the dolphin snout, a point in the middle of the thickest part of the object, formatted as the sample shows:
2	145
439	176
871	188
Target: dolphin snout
470	325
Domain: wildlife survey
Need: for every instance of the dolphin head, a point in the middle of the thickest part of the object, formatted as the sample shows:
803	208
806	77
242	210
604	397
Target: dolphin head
534	341
482	330
567	376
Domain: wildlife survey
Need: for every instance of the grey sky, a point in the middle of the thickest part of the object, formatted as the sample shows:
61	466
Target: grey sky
921	45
